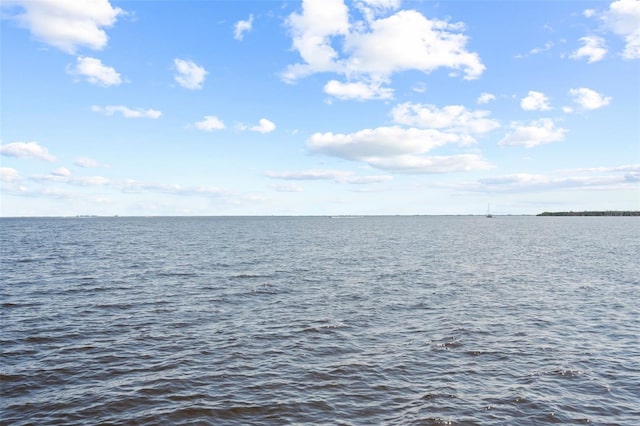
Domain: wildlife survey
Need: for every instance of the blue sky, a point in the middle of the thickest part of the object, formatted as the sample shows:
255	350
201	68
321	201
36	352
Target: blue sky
319	107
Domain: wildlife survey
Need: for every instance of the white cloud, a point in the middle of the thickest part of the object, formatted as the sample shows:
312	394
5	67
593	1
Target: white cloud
382	4
358	90
64	175
547	46
398	149
451	118
61	171
61	174
379	142
372	8
127	112
68	24
338	176
594	49
365	180
373	50
27	150
536	50
535	101
432	164
242	27
311	32
91	181
539	182
8	174
133	186
537	132
485	98
589	99
210	122
623	168
289	187
316	174
596	178
189	74
588	13
95	71
264	126
86	162
623	18
409	41
419	87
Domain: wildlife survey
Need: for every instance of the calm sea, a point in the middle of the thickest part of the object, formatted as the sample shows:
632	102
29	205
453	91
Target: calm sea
316	320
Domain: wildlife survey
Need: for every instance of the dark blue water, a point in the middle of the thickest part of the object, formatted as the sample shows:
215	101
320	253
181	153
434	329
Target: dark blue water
373	320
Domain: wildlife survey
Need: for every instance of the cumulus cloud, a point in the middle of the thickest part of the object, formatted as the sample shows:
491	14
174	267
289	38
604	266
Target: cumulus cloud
408	40
396	148
485	98
431	164
451	118
242	27
594	48
210	122
311	32
589	99
535	133
535	101
68	24
8	174
264	126
360	90
372	8
371	51
623	18
379	142
189	74
127	112
27	150
95	71
338	176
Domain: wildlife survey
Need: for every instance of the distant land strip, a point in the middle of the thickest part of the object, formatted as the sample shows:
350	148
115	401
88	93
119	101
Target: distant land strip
593	213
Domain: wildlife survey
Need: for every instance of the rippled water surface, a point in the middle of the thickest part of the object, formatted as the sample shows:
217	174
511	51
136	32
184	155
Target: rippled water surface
372	320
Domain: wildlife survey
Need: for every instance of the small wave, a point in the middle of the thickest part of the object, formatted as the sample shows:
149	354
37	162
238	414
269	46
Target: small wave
178	274
28	260
433	396
450	344
40	339
246	276
566	372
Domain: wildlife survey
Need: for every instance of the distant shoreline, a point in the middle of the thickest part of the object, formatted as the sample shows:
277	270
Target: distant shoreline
592	213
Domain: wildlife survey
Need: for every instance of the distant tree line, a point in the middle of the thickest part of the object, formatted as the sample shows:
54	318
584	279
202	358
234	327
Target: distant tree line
593	213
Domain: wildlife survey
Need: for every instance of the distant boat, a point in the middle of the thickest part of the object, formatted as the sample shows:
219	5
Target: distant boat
489	215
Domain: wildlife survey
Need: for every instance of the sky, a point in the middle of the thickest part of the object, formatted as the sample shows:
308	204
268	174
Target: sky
318	107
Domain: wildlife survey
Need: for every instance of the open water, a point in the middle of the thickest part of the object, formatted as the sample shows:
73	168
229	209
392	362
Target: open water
313	320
